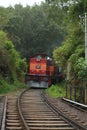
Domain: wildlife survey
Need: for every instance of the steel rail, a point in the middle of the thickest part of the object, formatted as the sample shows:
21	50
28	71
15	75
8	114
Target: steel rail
4	115
20	111
72	122
77	105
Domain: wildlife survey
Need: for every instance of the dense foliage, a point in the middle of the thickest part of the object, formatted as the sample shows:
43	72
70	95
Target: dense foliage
56	90
42	29
26	31
72	49
12	67
31	30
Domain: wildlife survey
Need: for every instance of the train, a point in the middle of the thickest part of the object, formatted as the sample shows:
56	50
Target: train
41	72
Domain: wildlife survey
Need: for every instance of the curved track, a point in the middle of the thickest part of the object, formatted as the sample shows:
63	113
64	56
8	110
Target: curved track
32	111
38	115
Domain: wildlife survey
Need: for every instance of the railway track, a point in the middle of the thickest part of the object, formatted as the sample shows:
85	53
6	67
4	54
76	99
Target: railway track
76	115
77	105
12	119
32	111
39	115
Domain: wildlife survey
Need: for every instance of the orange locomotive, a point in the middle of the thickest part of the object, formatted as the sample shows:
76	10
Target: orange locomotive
40	71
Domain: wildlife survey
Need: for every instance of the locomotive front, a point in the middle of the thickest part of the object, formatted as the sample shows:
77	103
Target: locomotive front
40	72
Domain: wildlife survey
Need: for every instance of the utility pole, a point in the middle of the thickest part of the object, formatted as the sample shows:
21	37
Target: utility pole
86	36
83	24
86	51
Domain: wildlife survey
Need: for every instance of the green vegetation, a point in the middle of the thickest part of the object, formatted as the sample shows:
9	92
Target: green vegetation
12	66
72	49
81	69
6	87
57	90
25	31
31	31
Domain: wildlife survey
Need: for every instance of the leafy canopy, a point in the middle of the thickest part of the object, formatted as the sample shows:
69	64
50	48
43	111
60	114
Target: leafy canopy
10	60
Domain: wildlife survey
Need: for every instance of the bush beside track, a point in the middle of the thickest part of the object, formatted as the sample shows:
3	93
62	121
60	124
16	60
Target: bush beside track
57	90
6	87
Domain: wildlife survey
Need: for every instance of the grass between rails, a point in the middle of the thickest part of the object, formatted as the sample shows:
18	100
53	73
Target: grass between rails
57	90
6	87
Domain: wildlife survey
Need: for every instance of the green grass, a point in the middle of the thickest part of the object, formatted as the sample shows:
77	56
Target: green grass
6	87
57	90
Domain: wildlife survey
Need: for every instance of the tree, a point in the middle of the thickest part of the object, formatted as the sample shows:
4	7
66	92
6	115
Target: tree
10	60
3	17
73	47
31	31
